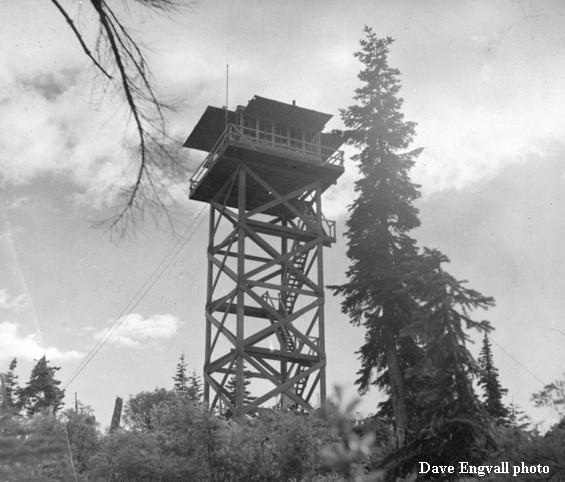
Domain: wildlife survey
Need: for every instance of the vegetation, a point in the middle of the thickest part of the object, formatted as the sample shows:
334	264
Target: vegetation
171	437
553	396
187	385
493	391
42	392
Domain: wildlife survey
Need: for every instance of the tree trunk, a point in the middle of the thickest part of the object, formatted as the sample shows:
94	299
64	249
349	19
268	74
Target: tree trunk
398	393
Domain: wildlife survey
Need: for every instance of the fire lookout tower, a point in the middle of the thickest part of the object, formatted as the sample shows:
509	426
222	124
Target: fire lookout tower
267	167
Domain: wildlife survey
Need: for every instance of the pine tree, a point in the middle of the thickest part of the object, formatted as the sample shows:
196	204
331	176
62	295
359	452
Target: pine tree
180	378
230	388
517	418
553	396
380	251
488	380
187	385
42	391
194	387
10	388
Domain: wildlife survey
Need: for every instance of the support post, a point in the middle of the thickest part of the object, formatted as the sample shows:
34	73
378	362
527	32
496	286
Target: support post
240	381
209	291
321	320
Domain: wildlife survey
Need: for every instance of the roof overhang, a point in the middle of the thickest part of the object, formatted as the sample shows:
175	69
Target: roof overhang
289	114
209	128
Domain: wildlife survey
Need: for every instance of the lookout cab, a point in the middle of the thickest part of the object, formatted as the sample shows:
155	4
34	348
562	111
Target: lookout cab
267	166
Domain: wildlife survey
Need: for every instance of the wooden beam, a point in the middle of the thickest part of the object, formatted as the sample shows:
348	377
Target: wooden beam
267	353
250	257
283	387
280	288
281	199
226	332
270	330
275	381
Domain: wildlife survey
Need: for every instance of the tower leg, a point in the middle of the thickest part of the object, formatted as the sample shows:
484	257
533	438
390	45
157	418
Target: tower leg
240	382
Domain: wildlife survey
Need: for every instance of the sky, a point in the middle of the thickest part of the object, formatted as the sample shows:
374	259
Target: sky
483	80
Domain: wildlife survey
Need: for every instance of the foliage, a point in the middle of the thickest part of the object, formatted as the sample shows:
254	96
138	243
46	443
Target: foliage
138	411
553	396
492	390
275	445
186	442
130	456
82	431
42	392
182	441
34	449
517	418
169	445
516	445
353	450
231	388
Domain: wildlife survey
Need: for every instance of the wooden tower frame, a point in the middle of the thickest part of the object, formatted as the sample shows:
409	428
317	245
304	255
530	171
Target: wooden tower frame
265	284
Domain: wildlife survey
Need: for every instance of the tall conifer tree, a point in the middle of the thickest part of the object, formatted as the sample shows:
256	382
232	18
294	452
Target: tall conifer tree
381	252
453	424
42	391
230	389
181	378
11	388
187	385
414	313
492	389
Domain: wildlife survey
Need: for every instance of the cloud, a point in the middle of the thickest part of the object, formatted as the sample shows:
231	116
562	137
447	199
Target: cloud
12	303
49	125
134	330
15	345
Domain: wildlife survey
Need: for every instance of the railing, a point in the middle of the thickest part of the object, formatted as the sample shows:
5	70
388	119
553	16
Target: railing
299	146
256	138
210	158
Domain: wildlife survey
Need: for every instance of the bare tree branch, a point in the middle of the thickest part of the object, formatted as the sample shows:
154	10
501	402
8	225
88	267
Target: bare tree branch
79	38
156	160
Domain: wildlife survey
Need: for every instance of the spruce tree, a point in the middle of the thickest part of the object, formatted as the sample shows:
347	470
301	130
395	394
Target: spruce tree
380	250
492	390
42	391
